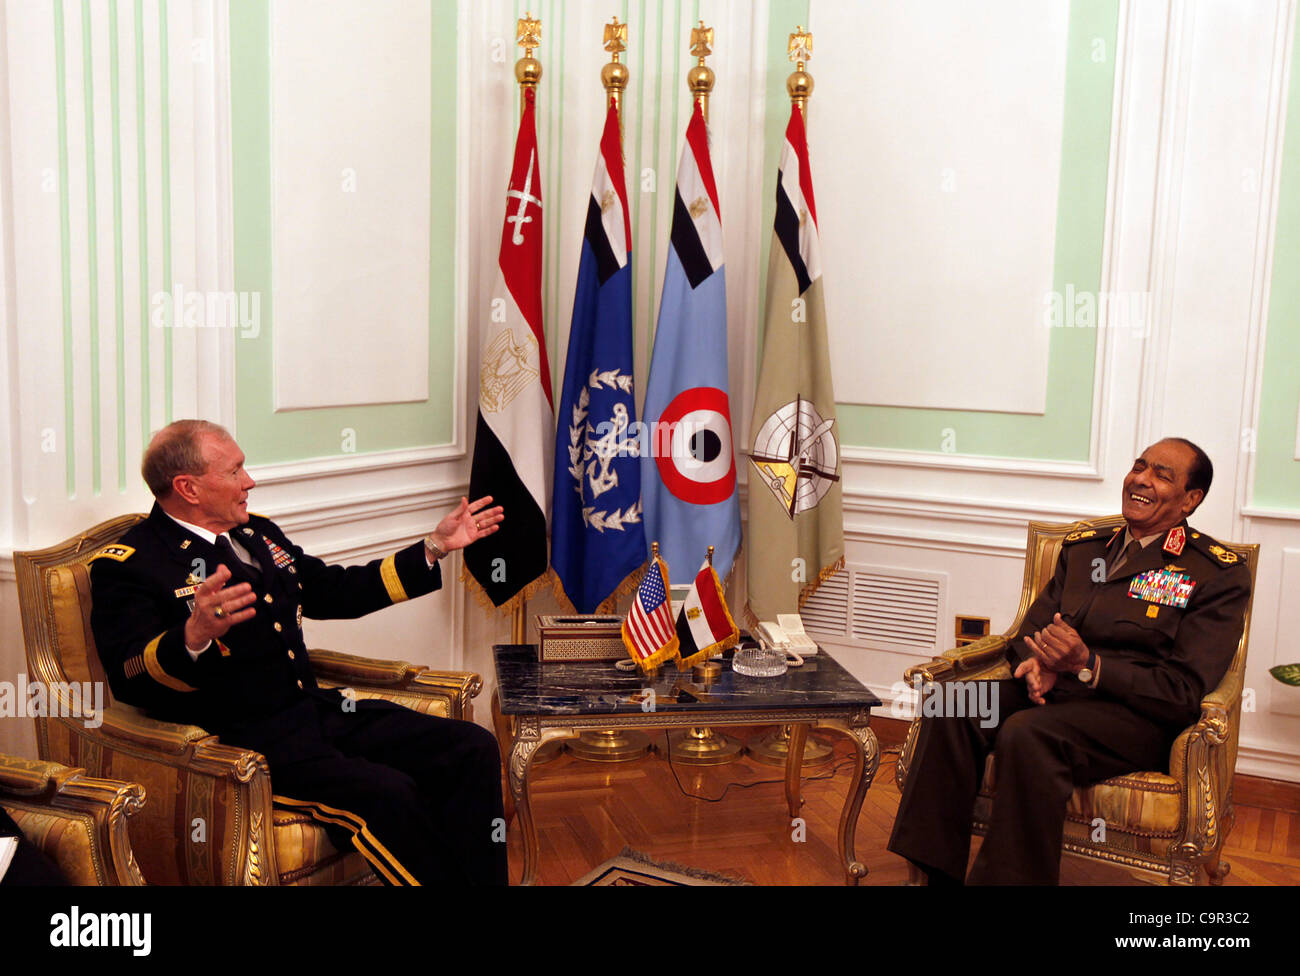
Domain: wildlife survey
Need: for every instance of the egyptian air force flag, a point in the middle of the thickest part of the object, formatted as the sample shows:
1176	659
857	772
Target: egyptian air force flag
688	479
598	539
704	624
796	522
512	446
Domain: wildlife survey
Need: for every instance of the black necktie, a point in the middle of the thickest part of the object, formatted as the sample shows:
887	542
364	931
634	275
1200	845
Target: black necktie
237	566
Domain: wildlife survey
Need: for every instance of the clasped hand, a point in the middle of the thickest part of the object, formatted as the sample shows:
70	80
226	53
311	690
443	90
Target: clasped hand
1056	648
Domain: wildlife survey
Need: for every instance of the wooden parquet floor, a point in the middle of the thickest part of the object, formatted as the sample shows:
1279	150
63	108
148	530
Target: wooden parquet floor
587	812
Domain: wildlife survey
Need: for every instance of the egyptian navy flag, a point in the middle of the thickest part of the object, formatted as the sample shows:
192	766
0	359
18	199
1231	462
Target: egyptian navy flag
512	446
598	539
688	478
796	521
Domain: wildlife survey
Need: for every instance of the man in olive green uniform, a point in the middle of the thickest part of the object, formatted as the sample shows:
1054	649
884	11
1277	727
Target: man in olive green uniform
1111	663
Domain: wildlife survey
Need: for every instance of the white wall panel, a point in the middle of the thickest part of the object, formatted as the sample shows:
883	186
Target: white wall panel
937	178
350	154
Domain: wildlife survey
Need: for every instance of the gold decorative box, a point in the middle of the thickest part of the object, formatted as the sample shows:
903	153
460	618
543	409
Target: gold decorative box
579	638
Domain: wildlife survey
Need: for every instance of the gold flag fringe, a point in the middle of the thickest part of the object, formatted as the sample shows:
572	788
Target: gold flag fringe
474	587
629	585
826	573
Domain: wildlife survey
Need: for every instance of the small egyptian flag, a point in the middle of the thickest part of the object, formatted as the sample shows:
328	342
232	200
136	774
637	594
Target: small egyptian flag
704	625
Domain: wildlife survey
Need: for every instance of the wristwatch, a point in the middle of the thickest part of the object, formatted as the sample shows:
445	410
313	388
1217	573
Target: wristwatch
433	547
1086	672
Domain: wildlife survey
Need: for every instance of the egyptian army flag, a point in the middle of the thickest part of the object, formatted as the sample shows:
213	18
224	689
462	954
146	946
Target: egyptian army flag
688	478
704	624
648	632
512	445
796	523
598	539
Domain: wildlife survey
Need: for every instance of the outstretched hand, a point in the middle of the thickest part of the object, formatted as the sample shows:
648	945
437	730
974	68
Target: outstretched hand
470	522
217	608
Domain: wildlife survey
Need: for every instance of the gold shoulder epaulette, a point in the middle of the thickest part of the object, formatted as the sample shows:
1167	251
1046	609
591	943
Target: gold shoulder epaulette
1217	553
1079	535
115	551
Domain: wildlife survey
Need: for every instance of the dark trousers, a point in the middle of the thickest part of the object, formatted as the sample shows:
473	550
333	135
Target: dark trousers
1043	753
419	796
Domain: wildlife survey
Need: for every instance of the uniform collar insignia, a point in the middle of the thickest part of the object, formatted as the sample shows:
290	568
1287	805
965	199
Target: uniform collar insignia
1175	540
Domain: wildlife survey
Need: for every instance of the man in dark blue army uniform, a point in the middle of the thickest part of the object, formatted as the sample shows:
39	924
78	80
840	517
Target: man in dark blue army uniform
197	615
1111	662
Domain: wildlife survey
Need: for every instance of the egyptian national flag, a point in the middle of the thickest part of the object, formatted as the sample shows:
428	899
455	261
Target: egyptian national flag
597	539
704	624
688	478
796	522
512	445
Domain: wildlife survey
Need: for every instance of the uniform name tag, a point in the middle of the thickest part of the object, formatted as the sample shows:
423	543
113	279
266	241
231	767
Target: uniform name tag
1162	586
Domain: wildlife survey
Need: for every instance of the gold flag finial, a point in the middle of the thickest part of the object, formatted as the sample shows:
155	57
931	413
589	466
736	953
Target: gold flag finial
614	76
800	83
701	41
654	550
701	77
528	70
710	557
615	37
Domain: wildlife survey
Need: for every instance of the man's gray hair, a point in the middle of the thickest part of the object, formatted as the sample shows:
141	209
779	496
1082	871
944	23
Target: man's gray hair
175	450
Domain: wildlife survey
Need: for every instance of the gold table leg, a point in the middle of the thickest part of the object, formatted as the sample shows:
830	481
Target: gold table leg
527	741
866	760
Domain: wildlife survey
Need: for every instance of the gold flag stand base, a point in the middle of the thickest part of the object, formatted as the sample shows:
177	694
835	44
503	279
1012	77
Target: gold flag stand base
550	752
613	745
703	747
773	749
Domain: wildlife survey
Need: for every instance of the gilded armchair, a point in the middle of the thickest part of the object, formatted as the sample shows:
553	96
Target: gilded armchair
1169	825
209	818
79	822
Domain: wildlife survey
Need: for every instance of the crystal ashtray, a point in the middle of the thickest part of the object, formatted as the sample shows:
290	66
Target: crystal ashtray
759	662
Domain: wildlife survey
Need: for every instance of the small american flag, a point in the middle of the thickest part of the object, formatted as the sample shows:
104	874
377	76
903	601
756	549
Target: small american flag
648	631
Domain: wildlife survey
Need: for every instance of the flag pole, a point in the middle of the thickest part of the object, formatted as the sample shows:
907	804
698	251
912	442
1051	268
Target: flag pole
701	745
615	76
528	72
613	745
774	748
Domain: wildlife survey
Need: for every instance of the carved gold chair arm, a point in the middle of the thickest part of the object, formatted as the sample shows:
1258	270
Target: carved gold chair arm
221	793
78	821
385	678
125	725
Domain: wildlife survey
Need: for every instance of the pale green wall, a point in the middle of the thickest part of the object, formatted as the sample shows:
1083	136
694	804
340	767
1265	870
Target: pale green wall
265	435
1063	432
1277	472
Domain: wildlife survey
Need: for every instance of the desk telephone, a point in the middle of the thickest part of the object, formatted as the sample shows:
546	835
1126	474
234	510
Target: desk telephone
787	634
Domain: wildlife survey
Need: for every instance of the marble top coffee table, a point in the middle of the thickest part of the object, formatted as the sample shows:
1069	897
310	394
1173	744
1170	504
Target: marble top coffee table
536	703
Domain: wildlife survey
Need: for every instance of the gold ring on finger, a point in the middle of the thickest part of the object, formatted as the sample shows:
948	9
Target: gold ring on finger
219	613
